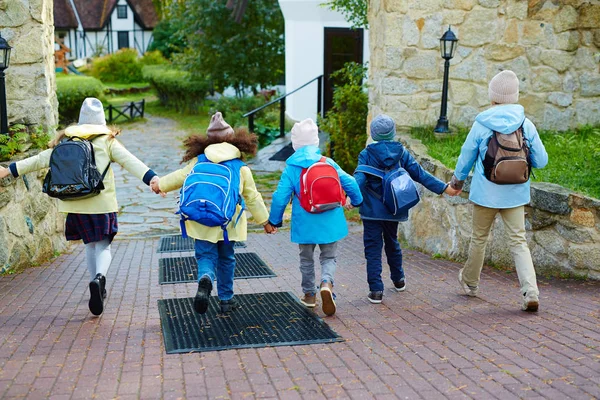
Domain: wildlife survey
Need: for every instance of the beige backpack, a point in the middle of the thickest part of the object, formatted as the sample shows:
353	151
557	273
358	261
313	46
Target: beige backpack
507	158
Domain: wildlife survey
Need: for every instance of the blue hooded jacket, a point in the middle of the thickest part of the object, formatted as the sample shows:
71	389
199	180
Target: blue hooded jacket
387	154
504	119
307	228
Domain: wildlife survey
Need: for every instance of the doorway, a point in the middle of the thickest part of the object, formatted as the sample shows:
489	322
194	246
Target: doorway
342	45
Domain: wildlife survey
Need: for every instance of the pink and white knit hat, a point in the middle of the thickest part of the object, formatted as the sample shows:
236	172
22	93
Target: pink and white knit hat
504	88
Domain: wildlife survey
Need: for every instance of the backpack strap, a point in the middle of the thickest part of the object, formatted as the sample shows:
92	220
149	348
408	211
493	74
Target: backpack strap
367	169
94	155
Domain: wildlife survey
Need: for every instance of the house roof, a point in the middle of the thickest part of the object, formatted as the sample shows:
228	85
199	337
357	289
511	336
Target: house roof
64	16
94	14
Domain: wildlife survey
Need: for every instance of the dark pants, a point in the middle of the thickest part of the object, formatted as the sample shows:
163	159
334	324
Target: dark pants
375	234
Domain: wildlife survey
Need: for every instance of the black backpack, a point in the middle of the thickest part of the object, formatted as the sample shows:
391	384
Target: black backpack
73	174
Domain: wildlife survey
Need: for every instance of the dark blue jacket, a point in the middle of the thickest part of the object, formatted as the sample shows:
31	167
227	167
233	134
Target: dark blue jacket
387	154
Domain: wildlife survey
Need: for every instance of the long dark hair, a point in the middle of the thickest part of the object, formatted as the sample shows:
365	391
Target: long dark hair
246	142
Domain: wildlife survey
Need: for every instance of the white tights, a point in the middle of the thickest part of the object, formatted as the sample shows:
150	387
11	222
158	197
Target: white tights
98	257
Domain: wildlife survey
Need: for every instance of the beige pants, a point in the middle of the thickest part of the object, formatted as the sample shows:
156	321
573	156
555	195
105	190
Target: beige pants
514	222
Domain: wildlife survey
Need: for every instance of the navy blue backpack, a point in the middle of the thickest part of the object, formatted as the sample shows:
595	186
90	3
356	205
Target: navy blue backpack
399	190
211	193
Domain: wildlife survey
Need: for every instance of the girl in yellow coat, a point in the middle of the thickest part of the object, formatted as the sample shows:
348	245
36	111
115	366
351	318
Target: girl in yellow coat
214	254
93	219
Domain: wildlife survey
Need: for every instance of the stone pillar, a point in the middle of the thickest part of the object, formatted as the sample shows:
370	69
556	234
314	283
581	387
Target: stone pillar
28	26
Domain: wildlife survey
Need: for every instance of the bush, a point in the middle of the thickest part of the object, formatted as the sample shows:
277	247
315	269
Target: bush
233	108
176	89
153	58
346	122
168	38
71	91
121	67
19	136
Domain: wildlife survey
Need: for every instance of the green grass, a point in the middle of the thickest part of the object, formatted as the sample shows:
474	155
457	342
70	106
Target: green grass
574	156
190	123
117	100
115	85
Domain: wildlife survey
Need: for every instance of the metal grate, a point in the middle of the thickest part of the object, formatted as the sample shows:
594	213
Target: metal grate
174	243
263	319
283	154
185	269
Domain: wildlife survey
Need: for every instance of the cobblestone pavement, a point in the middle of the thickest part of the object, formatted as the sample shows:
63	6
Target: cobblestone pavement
429	342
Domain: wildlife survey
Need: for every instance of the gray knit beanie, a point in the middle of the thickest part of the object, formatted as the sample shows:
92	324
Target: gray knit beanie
92	112
383	128
504	88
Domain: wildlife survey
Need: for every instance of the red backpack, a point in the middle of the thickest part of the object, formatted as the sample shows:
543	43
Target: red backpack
320	188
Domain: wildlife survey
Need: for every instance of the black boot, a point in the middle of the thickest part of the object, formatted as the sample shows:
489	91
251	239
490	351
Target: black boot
103	286
96	303
229	305
203	295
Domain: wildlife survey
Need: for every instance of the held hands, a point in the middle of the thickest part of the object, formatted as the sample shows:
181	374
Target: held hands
4	172
348	205
269	229
155	188
452	192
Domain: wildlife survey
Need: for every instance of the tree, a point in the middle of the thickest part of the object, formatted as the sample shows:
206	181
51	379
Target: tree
355	11
167	38
248	54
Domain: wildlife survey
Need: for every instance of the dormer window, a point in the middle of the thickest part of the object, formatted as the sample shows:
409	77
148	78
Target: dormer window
122	12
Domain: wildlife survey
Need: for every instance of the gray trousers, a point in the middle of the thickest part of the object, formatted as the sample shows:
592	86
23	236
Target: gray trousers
307	265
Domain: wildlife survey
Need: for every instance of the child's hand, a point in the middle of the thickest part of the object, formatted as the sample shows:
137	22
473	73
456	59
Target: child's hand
270	229
4	172
348	205
452	192
155	188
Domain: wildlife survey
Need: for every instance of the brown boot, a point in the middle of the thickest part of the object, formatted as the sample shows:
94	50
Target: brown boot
309	300
328	298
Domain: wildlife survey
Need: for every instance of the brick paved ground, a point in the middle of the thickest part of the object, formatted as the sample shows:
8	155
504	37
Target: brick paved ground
429	342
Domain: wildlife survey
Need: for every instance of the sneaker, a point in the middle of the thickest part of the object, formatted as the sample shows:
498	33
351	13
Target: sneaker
375	297
309	300
96	303
400	285
327	298
469	289
531	302
203	295
103	286
229	305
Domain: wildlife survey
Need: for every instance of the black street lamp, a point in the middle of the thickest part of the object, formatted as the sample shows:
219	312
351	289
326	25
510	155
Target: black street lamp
4	60
448	43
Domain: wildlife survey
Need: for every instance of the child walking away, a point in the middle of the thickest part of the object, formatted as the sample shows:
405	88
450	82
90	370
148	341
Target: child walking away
81	179
316	185
217	187
498	135
383	172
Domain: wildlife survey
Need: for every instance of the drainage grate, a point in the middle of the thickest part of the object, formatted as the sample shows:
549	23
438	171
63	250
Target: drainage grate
185	269
283	154
263	319
174	243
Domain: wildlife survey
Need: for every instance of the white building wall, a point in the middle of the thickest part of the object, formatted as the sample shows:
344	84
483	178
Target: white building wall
305	23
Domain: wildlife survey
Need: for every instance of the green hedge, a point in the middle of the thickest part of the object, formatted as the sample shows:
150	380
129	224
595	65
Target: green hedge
121	67
71	91
176	89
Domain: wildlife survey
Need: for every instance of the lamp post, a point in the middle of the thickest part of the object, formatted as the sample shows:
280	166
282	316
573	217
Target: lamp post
447	47
4	60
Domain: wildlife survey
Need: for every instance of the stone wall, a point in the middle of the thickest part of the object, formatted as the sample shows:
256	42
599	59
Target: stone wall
28	26
553	46
563	228
31	228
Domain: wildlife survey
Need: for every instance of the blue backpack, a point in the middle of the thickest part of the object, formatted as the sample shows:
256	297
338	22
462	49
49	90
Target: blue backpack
210	194
399	190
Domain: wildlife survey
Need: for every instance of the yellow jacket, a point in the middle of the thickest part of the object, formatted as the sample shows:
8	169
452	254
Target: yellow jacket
106	149
218	153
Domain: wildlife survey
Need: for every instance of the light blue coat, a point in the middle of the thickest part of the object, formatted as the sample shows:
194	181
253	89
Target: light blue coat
503	119
307	228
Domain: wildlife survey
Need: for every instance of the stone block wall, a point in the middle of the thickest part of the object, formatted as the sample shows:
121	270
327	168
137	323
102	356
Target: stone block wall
28	26
563	227
553	46
31	228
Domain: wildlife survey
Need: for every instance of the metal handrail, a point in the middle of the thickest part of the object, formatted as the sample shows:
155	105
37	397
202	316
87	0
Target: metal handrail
281	101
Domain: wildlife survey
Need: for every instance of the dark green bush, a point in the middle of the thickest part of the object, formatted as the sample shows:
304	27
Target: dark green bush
177	89
71	91
123	66
20	138
346	122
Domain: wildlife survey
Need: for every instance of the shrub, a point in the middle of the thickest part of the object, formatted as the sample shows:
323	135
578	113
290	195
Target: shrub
71	91
121	67
153	58
19	136
176	89
233	108
346	122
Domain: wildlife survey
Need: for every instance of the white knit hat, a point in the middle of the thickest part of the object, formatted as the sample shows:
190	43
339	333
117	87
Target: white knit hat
305	133
92	112
504	88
